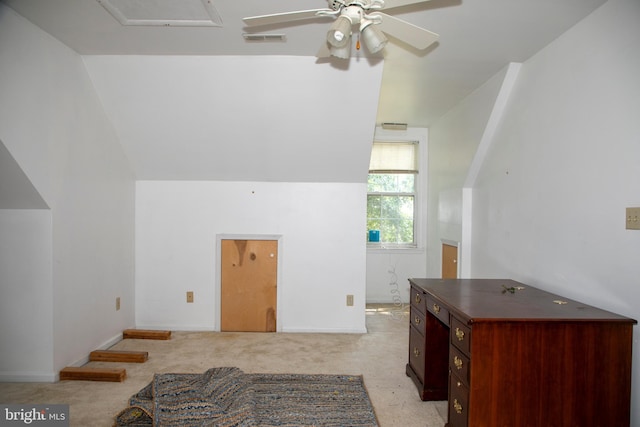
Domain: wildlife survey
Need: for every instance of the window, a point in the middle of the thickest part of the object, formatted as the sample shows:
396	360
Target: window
391	194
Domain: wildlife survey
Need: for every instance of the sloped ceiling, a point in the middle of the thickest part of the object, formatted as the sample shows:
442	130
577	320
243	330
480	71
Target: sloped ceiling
477	39
173	93
16	191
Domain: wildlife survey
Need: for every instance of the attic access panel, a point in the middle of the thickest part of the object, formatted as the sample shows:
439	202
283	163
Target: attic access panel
184	13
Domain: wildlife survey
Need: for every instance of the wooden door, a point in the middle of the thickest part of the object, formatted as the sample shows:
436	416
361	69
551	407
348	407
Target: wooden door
449	261
248	285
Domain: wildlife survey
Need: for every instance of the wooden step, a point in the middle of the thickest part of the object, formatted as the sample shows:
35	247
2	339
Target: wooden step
118	356
92	374
146	334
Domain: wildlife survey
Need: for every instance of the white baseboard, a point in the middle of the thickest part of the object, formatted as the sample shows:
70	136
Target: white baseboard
110	342
51	377
28	377
324	331
183	328
105	345
178	328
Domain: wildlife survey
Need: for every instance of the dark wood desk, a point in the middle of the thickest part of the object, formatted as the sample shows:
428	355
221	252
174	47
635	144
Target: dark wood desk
505	354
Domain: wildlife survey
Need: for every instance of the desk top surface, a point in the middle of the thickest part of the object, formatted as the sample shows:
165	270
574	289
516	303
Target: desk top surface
483	300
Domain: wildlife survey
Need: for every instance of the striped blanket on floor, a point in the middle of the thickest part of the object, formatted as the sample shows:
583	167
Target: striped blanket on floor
226	397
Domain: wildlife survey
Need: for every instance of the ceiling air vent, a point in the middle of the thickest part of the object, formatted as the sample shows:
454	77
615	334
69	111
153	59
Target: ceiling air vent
394	126
263	37
168	13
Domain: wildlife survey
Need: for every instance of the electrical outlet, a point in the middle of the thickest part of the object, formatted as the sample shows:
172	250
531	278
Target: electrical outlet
633	218
349	300
117	303
190	296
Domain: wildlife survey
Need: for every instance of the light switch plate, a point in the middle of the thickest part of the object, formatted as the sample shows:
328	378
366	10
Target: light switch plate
633	218
190	296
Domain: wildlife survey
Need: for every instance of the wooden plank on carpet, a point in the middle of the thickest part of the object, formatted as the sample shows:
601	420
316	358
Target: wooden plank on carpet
146	334
119	356
92	374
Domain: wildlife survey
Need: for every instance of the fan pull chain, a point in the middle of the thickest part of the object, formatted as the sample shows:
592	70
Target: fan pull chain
358	42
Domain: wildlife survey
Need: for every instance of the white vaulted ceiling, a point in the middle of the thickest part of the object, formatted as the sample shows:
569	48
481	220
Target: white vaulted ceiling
171	90
477	39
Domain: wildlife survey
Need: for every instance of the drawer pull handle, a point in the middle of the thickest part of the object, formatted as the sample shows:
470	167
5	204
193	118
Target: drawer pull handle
418	299
458	362
416	320
457	406
460	334
436	308
416	352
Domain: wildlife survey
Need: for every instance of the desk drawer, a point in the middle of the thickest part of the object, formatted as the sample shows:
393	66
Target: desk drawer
438	310
417	320
459	364
460	335
458	403
418	300
416	353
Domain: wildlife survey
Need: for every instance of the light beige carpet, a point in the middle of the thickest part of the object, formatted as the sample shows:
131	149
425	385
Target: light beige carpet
379	356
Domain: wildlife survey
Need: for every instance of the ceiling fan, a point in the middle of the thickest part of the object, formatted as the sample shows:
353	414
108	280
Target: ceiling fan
363	15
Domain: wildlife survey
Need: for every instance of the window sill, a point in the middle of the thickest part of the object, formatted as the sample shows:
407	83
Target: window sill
381	248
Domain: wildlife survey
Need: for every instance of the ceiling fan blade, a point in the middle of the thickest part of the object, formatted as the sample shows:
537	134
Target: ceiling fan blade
390	4
278	18
402	30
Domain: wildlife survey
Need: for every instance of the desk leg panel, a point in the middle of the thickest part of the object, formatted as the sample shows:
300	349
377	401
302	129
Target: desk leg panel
428	359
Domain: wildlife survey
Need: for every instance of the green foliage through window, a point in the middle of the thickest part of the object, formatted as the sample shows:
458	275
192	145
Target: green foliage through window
391	207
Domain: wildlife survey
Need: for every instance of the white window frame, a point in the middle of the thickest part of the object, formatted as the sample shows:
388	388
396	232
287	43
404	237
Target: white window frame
419	135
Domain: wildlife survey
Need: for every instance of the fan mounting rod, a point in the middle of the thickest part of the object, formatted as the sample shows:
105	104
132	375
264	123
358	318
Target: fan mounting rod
354	10
364	4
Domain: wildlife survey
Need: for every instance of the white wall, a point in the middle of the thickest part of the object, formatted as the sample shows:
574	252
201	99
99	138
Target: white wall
26	310
322	253
53	125
388	274
549	200
240	118
453	144
549	204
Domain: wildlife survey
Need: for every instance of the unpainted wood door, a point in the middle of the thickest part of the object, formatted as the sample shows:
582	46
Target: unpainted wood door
248	285
449	261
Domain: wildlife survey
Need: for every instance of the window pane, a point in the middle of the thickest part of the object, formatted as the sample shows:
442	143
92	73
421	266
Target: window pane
390	207
405	207
393	231
373	224
393	216
379	183
391	183
406	182
397	207
405	230
373	206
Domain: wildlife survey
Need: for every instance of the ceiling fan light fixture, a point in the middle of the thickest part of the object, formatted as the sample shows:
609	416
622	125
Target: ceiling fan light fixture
339	35
343	52
373	38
